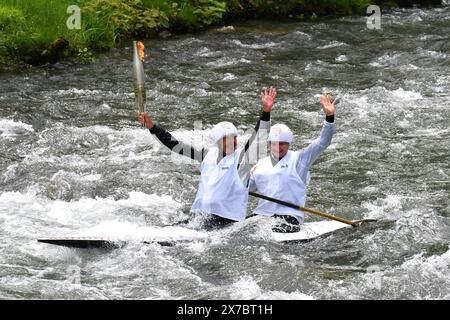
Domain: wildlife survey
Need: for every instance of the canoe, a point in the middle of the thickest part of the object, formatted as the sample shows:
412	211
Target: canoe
308	232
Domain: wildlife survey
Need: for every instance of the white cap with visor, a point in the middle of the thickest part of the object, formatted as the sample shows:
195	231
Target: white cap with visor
280	133
223	129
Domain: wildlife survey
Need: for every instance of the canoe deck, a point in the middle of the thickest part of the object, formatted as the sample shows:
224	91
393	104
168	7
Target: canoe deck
310	231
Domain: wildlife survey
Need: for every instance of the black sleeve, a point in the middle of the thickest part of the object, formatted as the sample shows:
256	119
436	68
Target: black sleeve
265	116
176	146
329	119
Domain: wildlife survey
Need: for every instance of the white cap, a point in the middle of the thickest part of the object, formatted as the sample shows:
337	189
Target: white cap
223	129
281	133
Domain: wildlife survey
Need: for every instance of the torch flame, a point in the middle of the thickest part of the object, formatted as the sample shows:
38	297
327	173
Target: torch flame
140	46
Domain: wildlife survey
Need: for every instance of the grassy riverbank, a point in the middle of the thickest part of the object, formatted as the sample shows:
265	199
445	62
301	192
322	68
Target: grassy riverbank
35	32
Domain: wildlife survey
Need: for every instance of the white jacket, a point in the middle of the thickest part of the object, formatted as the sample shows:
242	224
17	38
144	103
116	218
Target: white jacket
221	190
288	180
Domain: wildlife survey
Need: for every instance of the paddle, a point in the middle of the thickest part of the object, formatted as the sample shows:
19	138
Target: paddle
353	223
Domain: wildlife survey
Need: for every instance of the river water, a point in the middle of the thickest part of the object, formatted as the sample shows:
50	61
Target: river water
74	161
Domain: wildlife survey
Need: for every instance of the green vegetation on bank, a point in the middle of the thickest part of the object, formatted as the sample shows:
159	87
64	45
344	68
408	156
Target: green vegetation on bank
35	32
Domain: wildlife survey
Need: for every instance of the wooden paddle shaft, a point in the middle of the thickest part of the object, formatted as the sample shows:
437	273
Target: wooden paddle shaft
294	206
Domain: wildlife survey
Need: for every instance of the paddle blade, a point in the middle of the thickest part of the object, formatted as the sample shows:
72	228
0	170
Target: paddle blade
357	223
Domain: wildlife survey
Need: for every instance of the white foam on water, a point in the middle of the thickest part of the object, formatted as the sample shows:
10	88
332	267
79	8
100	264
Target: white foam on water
433	267
431	54
302	34
64	175
223	62
197	247
203	52
342	58
24	215
85	92
9	129
188	42
406	95
254	45
408	16
128	231
229	77
88	92
281	295
387	59
104	143
200	92
381	101
22	210
370	189
318	65
419	277
52	289
246	288
432	132
412	226
263	228
332	44
238	93
226	29
390	207
398	147
409	67
380	95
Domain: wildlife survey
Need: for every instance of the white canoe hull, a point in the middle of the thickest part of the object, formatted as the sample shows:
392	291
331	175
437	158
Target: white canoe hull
309	231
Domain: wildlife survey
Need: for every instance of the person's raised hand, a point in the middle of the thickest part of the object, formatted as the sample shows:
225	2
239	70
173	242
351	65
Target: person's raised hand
327	105
268	98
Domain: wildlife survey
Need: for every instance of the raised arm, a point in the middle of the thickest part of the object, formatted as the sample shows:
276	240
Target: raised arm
169	141
311	153
256	147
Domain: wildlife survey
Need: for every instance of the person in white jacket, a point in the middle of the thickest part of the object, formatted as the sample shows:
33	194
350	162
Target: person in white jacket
222	194
284	174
